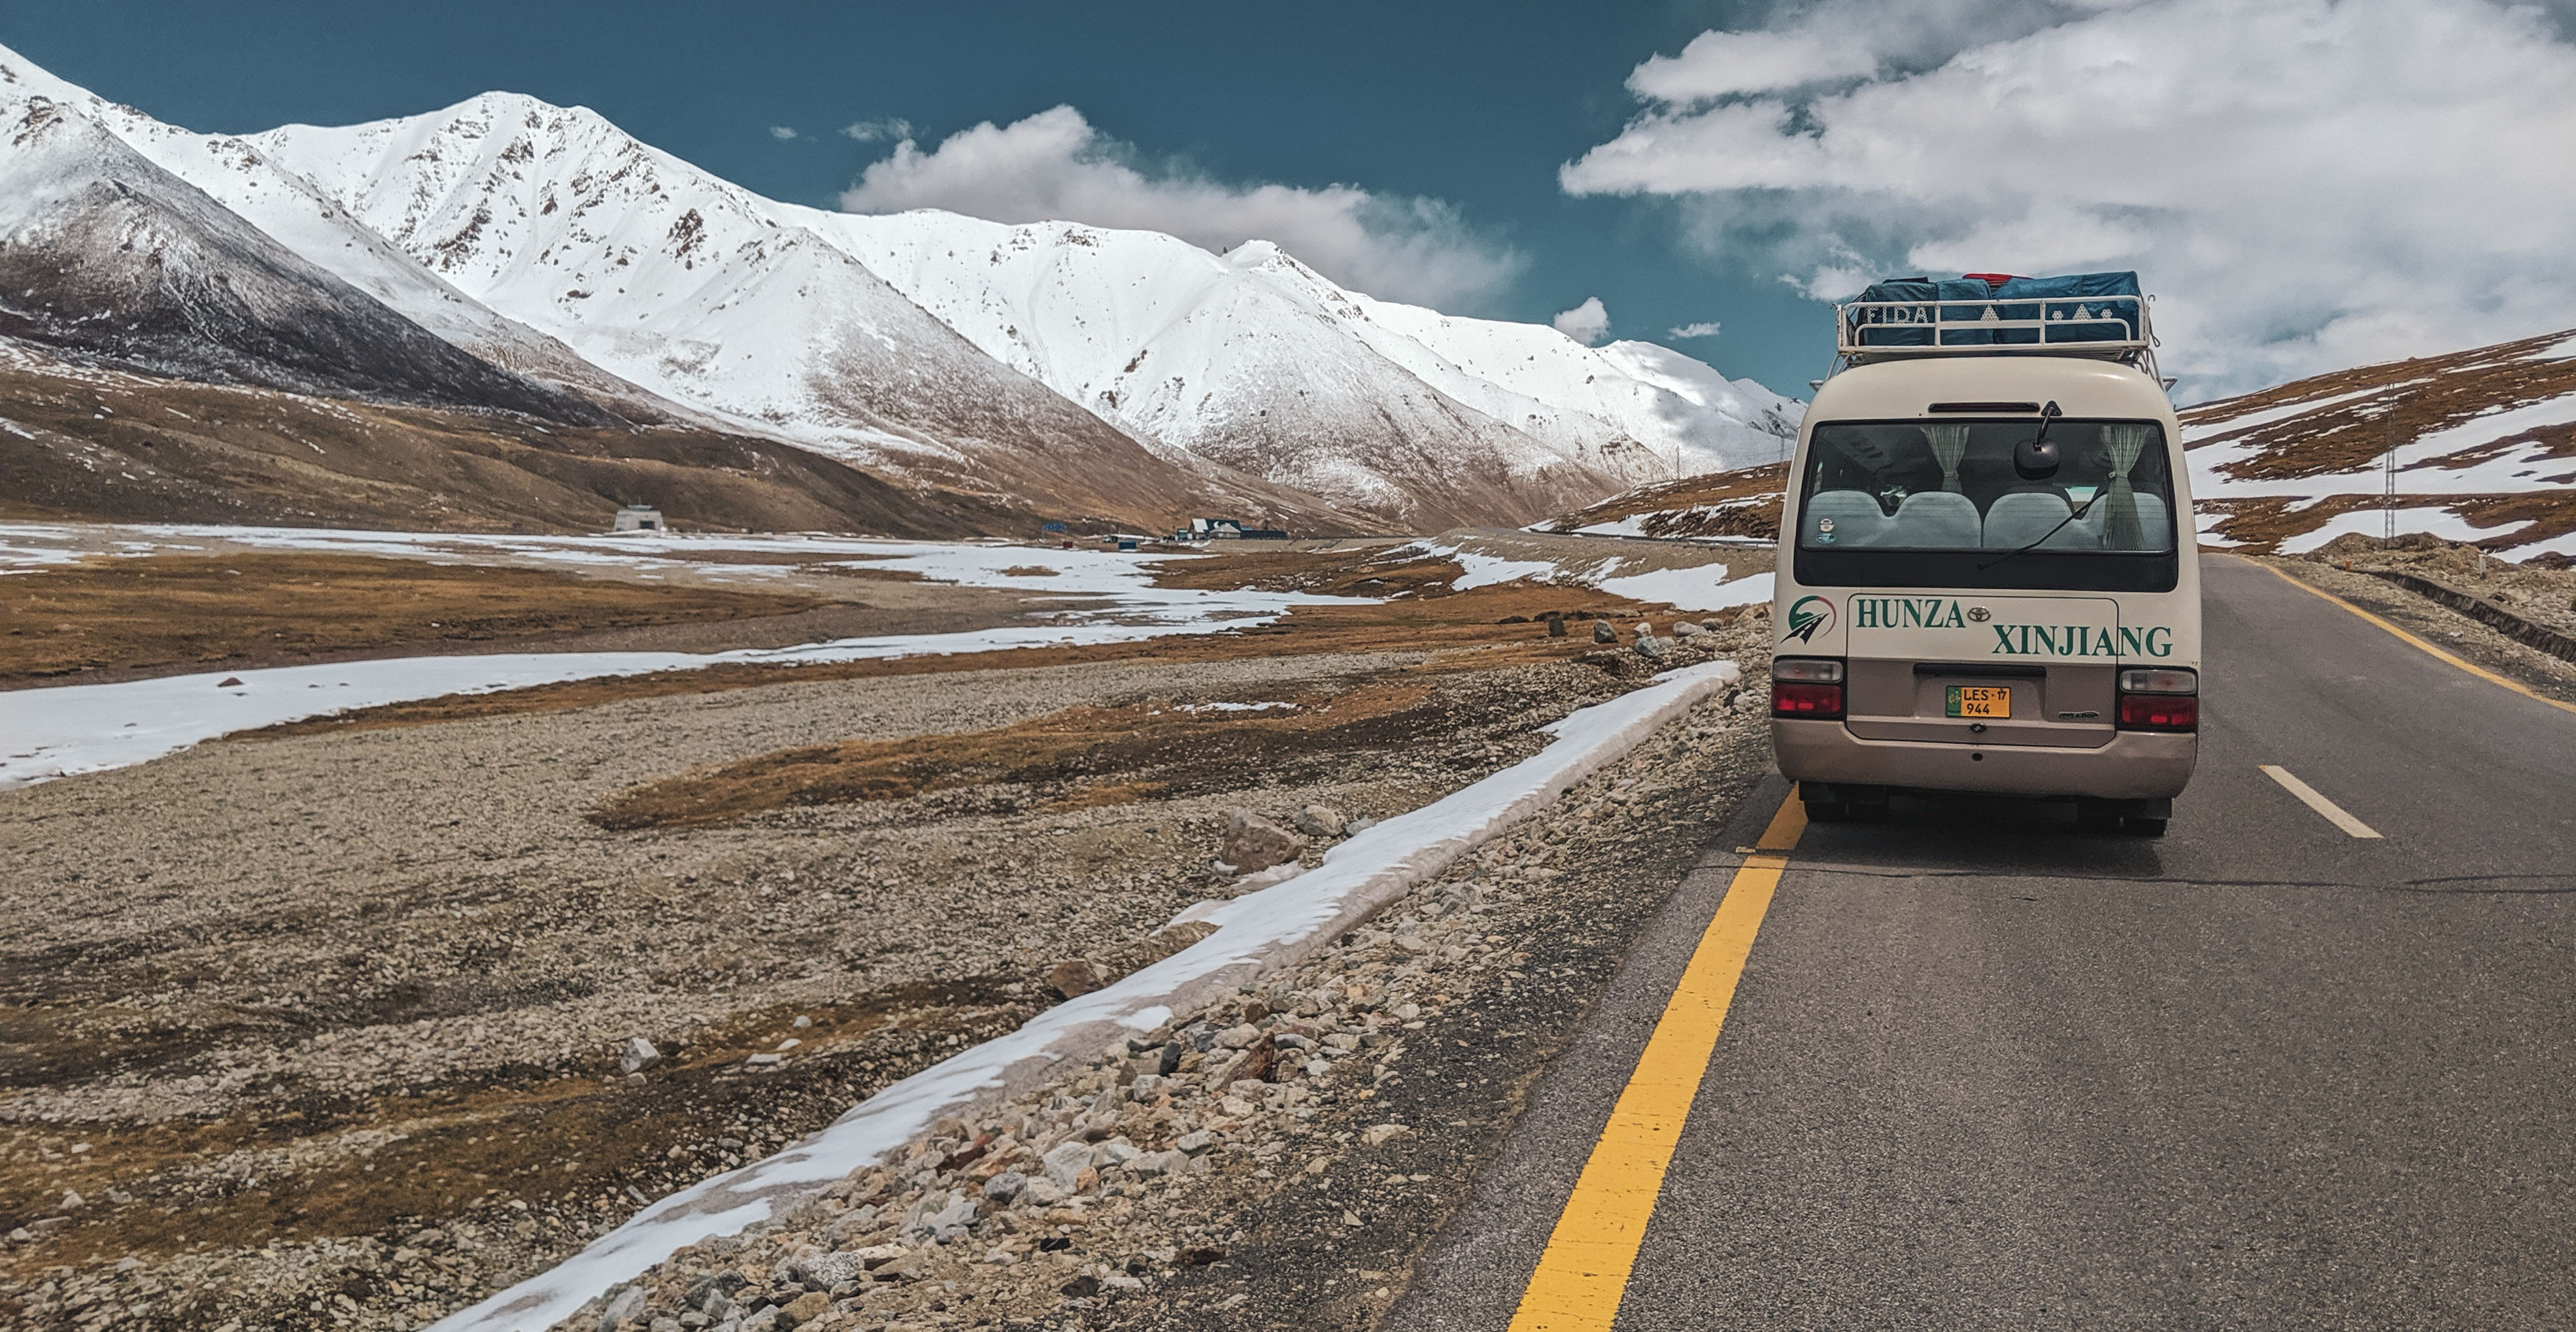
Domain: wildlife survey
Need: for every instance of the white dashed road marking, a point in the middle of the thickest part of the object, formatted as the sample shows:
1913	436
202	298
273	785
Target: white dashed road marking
2334	813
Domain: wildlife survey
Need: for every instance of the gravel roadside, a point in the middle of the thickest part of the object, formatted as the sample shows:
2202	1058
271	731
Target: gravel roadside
327	1030
1281	1158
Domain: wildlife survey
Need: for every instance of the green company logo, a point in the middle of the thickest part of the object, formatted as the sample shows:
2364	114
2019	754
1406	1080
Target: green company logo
1807	618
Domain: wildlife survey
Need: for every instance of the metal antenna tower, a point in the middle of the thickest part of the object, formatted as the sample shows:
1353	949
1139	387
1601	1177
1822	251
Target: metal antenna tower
2388	484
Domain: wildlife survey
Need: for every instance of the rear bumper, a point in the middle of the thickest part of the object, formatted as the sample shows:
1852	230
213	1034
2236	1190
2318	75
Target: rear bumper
2136	765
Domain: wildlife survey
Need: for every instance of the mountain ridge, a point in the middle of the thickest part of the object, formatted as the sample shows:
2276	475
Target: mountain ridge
553	250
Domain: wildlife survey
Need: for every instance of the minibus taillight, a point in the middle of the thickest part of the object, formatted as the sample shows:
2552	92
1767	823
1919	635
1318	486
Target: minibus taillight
2159	698
1808	687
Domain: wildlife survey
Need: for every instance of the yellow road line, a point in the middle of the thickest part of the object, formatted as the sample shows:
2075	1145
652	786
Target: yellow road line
2334	813
1584	1272
2479	671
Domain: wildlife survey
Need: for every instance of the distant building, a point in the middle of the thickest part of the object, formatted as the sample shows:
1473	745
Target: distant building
1226	529
638	518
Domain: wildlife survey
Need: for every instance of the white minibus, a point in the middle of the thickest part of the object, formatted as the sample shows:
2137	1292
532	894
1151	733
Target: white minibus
1988	579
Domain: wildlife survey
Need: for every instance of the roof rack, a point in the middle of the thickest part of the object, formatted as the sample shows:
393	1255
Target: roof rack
2112	327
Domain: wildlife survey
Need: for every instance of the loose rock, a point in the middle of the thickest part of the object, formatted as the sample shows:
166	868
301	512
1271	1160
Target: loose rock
1253	843
1076	976
639	1055
1320	821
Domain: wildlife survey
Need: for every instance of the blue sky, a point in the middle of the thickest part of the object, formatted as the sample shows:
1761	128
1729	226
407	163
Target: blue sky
2266	164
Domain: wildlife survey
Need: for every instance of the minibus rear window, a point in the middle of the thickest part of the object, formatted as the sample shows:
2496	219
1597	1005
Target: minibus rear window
1939	504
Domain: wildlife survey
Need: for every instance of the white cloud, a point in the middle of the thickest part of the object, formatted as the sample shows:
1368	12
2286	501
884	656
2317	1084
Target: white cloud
887	128
1587	323
1842	41
1054	166
2308	184
781	133
1703	329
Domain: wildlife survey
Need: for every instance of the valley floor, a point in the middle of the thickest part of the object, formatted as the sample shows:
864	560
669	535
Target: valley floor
325	1022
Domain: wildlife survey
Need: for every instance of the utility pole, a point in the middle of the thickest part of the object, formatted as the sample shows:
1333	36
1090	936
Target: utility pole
2388	485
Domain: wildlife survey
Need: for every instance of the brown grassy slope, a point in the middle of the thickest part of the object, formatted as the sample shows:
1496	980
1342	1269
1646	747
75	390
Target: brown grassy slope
2396	403
1741	503
77	442
262	610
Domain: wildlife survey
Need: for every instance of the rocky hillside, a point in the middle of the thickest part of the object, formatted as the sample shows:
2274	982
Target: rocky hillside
81	440
1743	504
106	255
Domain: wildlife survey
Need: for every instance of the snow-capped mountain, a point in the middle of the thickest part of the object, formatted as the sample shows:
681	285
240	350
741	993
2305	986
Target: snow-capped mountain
295	214
104	253
1075	370
1254	359
1250	361
668	277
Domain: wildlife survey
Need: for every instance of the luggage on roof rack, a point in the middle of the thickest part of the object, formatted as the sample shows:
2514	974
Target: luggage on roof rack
2080	314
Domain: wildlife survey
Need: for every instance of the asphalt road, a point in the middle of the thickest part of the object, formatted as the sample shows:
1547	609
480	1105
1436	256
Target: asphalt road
1984	1070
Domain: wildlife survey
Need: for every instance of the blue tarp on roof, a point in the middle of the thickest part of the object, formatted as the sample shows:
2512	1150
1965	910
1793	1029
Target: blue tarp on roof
2077	308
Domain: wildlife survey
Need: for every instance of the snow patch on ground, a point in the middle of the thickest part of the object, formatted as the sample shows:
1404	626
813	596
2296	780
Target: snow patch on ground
68	729
1485	570
1702	589
1256	933
2373	522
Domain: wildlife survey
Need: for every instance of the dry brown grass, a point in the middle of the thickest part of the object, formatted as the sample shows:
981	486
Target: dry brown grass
1083	757
2396	403
1427	618
2258	525
135	616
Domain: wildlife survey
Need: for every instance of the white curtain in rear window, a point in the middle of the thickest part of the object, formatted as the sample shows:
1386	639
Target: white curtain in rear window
2120	527
1949	444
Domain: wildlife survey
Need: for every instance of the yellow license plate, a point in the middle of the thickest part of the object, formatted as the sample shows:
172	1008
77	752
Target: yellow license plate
1978	701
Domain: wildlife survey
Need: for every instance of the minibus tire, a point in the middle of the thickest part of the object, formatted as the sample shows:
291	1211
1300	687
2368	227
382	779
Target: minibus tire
2138	827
